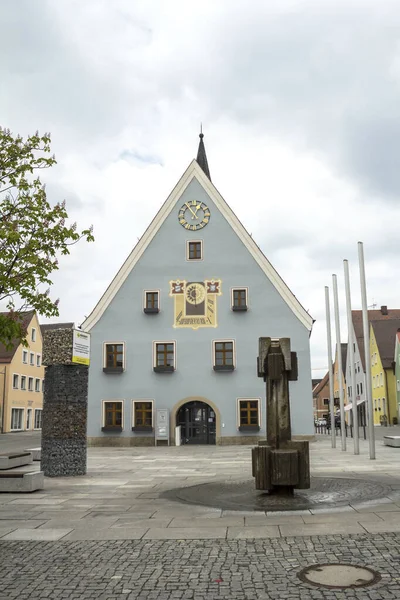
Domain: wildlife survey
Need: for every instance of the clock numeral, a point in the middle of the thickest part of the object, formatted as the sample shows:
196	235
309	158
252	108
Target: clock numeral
187	226
194	203
182	221
205	220
207	214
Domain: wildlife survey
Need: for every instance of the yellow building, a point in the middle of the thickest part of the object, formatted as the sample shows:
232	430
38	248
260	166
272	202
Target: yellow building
382	345
22	381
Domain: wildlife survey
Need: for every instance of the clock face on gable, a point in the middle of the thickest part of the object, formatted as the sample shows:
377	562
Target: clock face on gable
194	215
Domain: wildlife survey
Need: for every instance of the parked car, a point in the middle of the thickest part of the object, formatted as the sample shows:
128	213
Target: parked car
320	422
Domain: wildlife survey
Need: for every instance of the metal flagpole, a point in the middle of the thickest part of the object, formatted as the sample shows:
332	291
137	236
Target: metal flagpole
339	358
329	339
368	380
350	350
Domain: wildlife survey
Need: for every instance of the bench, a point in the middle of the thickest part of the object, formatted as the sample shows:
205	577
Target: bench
392	440
36	453
10	461
21	482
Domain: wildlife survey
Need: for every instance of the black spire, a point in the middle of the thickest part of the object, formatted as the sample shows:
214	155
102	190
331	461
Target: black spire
202	157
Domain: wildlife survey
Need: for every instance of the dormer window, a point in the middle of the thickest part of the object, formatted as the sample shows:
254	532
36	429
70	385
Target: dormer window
239	299
152	302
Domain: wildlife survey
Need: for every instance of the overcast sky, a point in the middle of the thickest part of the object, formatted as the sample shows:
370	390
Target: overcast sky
300	104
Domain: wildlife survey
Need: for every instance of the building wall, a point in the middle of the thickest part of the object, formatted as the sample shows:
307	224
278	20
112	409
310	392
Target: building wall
391	394
25	399
225	258
379	387
359	374
397	375
321	409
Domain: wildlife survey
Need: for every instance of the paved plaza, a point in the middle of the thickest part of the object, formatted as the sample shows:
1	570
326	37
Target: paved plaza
112	534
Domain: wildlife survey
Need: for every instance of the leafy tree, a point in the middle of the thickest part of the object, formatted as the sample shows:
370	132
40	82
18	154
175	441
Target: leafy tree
32	233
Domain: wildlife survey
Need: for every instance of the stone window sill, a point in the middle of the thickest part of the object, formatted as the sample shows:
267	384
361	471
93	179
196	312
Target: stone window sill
222	368
114	429
239	308
151	311
249	428
164	369
110	370
142	428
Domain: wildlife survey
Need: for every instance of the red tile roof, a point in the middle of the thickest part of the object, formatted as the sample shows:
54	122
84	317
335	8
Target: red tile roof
373	315
6	356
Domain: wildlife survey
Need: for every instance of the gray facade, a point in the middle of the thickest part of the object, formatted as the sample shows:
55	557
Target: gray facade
163	260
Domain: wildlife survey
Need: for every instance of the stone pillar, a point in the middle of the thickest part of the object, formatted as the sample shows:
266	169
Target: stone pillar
64	407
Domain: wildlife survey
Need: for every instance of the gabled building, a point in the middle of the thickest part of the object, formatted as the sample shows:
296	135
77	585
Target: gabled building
397	371
336	386
22	380
382	314
321	398
384	393
174	339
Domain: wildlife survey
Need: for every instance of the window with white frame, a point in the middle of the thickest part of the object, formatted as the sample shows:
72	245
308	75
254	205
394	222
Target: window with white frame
32	359
142	412
23	382
15	381
224	355
113	415
38	418
151	302
30	384
194	250
114	357
37	385
398	385
164	356
33	334
361	388
42	385
17	419
381	379
248	414
239	299
25	357
38	360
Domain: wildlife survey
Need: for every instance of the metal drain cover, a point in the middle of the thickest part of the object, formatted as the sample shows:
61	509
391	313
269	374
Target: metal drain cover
339	576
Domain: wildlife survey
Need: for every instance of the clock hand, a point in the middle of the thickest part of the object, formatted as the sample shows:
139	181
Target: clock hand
194	214
197	208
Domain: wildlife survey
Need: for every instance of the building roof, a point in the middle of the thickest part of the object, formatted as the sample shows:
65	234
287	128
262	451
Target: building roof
50	326
6	356
385	336
320	386
382	314
344	357
202	157
315	382
195	171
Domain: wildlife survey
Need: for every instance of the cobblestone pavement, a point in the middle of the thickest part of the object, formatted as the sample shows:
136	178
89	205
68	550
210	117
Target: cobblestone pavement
196	570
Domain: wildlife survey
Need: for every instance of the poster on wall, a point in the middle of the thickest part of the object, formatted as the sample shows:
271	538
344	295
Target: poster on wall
195	302
81	348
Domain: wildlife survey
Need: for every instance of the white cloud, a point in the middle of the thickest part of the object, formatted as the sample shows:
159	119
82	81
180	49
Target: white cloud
300	105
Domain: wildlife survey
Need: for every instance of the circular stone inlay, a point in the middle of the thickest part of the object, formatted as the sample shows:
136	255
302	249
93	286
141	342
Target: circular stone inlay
325	492
339	576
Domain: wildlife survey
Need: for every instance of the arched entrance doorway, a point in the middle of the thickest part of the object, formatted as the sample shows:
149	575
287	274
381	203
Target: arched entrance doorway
197	421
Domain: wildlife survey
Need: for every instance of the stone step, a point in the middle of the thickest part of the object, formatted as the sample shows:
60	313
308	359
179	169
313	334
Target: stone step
392	440
36	453
17	459
14	481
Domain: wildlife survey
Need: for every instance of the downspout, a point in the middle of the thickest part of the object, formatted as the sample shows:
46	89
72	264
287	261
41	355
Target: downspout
387	399
4	400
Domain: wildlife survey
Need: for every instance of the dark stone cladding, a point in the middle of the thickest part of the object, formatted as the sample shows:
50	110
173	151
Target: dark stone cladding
64	420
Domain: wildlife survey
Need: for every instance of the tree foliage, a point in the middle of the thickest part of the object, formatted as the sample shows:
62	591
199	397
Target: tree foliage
32	233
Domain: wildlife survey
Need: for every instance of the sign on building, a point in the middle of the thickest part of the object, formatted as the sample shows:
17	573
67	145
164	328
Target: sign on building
81	348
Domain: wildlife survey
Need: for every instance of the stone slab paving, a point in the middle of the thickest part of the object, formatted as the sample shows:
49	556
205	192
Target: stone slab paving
240	569
123	492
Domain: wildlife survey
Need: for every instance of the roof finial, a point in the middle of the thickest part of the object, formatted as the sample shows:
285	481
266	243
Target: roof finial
201	154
